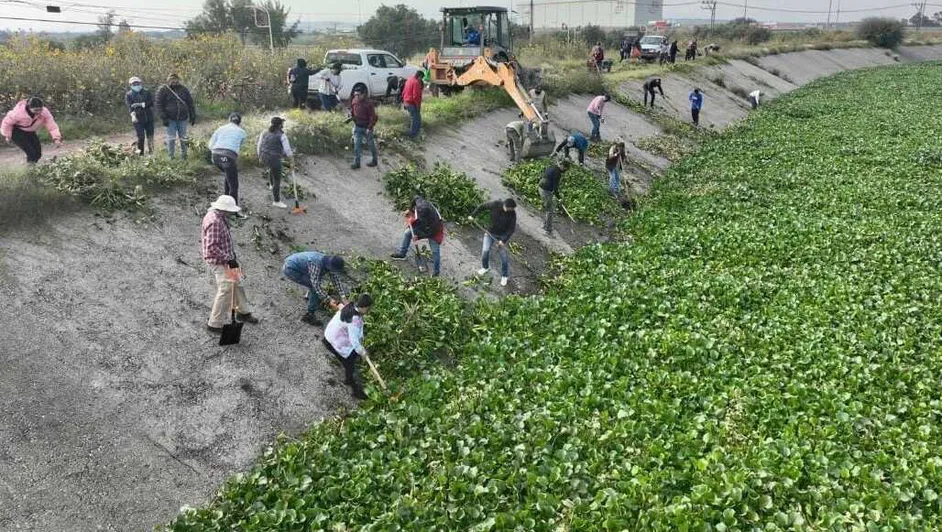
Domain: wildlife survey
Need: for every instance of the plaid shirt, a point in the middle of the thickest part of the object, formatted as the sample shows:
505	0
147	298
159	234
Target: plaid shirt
316	271
216	240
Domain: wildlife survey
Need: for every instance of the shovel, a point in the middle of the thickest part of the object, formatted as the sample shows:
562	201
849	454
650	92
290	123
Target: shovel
231	332
376	375
298	209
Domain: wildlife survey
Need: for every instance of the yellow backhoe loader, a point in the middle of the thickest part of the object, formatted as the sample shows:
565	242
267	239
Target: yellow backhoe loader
476	51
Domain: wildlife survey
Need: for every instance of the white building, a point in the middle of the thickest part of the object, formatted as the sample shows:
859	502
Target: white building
554	14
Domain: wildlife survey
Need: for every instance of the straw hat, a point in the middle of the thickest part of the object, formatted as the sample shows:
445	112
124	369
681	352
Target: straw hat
225	203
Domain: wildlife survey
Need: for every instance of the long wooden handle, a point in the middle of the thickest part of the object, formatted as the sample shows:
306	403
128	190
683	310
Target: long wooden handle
375	373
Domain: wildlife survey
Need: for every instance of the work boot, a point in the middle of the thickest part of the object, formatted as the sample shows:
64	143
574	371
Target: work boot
398	256
358	393
355	166
311	319
214	330
247	318
372	164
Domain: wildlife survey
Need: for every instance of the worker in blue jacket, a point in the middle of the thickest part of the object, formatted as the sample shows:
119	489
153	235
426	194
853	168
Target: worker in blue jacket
576	140
311	269
696	103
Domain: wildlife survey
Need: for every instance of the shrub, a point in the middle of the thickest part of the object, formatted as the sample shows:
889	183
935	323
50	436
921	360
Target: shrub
882	32
455	194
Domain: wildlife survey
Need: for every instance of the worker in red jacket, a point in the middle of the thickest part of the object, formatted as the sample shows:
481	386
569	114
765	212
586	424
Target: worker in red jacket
412	99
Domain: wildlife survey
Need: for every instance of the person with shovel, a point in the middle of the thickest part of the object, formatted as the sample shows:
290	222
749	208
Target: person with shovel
503	218
273	146
650	85
615	163
423	221
549	190
343	338
308	269
576	140
219	254
225	145
754	98
595	115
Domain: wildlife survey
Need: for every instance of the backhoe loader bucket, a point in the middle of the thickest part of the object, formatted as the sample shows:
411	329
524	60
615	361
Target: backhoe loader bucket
535	145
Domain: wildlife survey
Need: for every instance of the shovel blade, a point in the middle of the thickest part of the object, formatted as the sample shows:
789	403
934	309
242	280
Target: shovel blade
231	334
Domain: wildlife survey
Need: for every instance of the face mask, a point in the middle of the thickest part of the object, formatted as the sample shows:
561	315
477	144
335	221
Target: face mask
137	88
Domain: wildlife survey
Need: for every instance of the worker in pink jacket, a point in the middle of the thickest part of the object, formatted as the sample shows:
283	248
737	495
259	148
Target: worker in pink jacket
21	123
595	115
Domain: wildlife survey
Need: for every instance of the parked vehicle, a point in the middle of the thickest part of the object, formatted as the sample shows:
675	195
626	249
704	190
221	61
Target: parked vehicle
363	68
651	46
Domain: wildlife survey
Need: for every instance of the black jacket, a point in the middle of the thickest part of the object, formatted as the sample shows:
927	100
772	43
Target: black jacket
551	179
300	75
653	83
170	107
135	100
427	222
503	223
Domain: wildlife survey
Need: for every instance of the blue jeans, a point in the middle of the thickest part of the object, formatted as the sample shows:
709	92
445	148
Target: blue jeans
436	250
303	279
596	124
501	251
416	120
175	128
328	101
614	180
358	134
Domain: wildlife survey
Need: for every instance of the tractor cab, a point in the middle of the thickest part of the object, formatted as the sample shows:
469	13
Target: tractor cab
472	32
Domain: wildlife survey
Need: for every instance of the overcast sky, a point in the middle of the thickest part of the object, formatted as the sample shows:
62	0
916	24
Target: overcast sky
174	12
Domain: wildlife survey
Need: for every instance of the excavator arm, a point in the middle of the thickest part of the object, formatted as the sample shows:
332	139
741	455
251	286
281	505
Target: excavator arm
502	75
533	139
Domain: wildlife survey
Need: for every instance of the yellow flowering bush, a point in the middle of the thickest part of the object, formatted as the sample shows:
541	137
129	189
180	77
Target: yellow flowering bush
217	69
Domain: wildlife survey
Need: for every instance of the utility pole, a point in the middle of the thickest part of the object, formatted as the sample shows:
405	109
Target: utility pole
710	5
531	20
828	25
921	7
745	8
837	19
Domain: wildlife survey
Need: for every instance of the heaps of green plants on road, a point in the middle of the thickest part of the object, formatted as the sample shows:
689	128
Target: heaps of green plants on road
455	194
113	177
670	147
764	355
584	194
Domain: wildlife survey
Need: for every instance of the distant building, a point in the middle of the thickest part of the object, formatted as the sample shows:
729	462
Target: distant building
554	14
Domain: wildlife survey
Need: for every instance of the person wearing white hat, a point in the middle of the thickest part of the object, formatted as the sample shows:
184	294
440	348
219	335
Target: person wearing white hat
140	103
219	254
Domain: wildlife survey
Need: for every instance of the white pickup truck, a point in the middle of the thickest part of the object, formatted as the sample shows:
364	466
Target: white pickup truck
363	68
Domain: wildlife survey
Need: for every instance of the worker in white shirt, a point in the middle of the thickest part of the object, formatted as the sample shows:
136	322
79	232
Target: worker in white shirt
754	98
328	86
